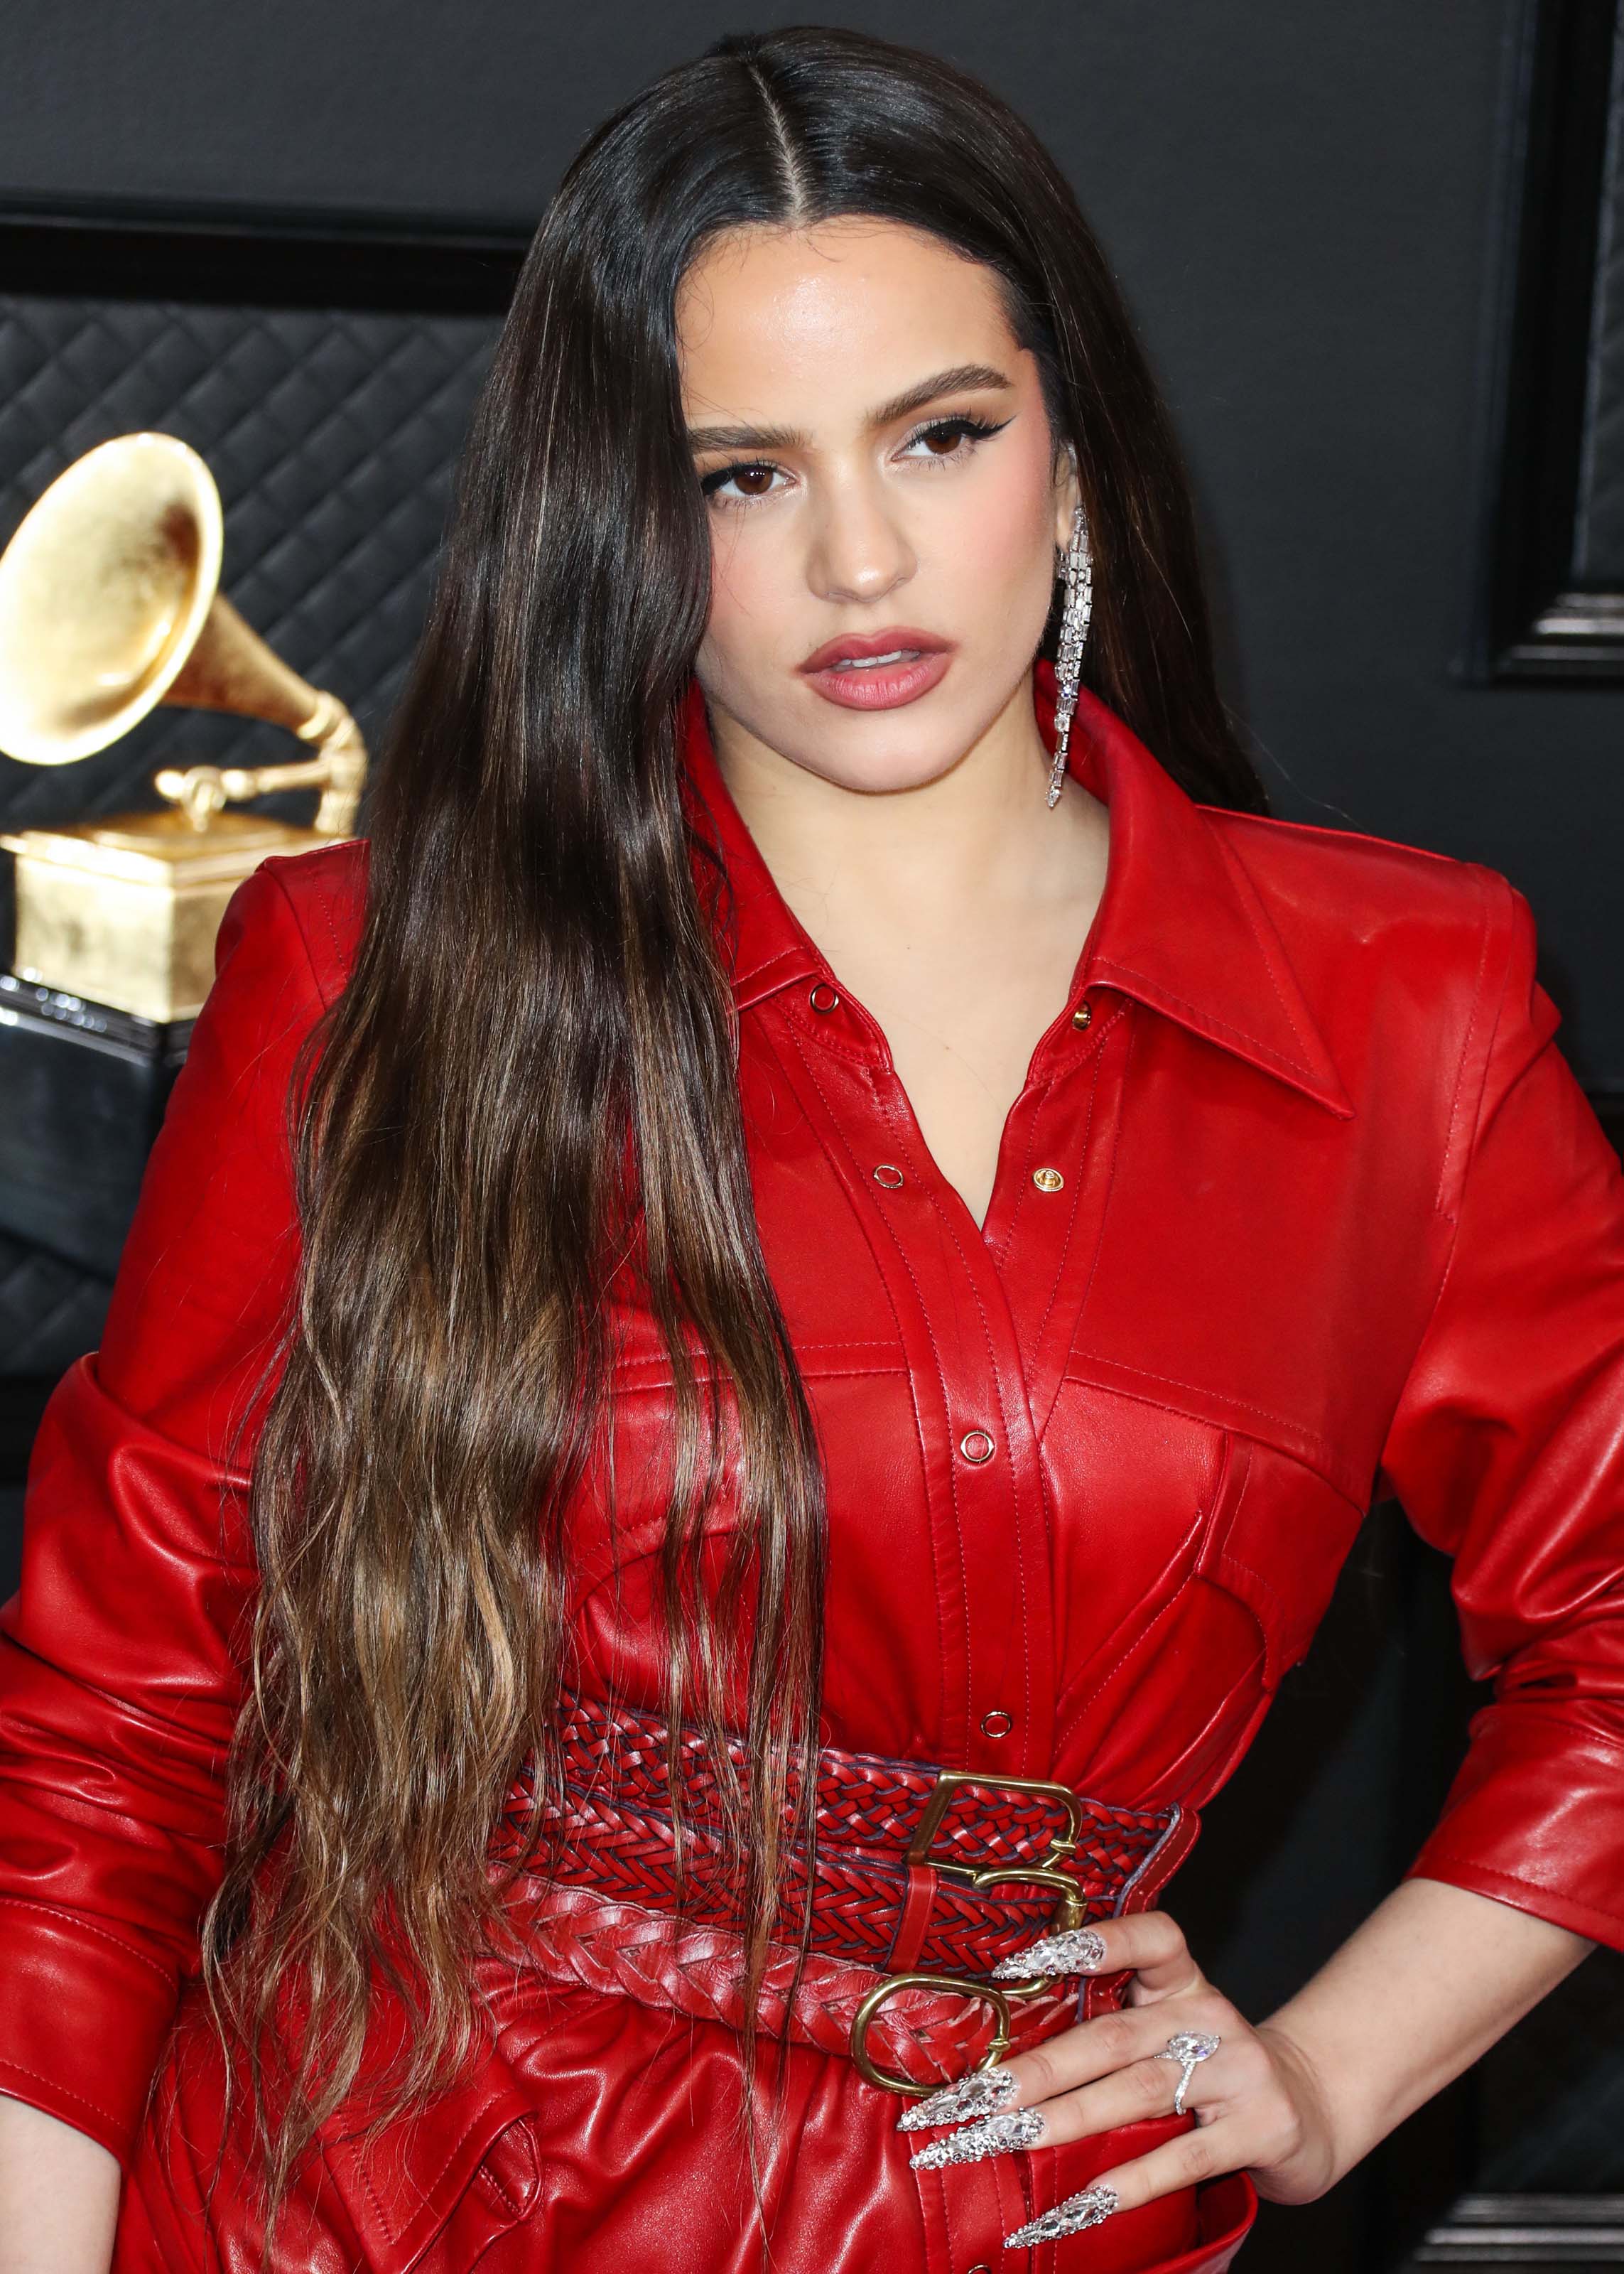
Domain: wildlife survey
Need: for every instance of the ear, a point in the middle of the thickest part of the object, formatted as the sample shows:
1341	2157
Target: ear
1068	494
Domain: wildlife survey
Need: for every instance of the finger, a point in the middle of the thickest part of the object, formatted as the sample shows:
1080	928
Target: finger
1117	2041
1128	2095
1151	1944
1193	2157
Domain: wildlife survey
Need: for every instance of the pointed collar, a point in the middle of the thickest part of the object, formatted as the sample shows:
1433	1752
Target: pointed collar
1180	927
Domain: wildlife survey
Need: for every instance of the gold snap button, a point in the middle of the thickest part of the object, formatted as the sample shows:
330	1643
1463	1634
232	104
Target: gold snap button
1048	1181
822	997
1083	1015
996	1725
888	1175
976	1446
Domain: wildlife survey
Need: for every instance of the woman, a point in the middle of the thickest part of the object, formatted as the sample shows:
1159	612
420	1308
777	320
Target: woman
741	1364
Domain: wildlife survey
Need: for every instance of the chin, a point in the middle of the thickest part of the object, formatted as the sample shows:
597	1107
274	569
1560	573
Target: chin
883	778
901	749
875	755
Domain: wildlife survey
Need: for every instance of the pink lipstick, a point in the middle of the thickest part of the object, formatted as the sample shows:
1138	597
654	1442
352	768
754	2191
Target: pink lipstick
878	671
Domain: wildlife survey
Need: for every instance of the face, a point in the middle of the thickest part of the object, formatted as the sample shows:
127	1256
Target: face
883	493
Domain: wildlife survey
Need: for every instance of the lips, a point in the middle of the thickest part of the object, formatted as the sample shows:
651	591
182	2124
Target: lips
877	671
897	643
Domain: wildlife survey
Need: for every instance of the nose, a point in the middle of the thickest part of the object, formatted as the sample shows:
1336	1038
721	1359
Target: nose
860	549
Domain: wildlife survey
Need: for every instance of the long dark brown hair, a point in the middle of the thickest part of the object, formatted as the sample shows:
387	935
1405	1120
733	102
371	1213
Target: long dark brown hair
529	1086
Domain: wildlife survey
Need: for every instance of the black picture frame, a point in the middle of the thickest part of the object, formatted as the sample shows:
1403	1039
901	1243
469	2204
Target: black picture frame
1524	2234
225	257
1556	421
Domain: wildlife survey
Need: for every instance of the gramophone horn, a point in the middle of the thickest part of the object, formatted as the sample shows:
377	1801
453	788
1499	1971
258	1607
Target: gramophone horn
109	605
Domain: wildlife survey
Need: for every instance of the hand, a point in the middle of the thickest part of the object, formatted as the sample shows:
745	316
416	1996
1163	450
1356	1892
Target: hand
1257	2101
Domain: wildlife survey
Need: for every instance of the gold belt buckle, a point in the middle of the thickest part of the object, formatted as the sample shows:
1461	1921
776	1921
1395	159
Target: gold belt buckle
1046	1872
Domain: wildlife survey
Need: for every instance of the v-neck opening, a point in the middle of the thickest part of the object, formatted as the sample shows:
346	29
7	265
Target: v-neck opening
819	969
1032	1085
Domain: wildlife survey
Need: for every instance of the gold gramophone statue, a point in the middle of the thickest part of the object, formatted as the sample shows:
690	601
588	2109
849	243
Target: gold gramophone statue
108	607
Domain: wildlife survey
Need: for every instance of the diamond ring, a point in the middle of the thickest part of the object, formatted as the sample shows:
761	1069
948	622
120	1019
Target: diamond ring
1188	2047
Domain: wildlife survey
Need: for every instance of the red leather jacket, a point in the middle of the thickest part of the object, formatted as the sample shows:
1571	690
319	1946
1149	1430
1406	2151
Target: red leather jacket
1331	1215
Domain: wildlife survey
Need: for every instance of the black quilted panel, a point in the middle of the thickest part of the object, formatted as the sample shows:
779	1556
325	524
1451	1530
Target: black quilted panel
1599	527
51	1312
333	436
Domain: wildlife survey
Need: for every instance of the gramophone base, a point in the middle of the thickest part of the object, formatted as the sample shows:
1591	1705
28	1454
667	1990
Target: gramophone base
123	910
84	1088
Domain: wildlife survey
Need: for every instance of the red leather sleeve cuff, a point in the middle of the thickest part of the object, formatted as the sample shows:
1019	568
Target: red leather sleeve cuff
83	2019
1535	1817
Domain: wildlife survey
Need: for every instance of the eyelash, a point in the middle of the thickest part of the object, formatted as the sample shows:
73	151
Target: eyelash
974	430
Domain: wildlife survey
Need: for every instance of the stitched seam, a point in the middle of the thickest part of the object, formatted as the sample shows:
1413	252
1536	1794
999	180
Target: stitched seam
287	899
1077	1202
1086	1059
649	1389
1142	1635
1322	1465
1263	948
1466	1045
1244	1405
1206	1518
946	1217
1023	1184
953	1475
1444	1852
83	2100
371	2192
768	970
1448	1273
1209	1017
817	1027
1104	1210
1070	1063
427	2186
1281	1612
864	1228
86	1926
487	2177
1228	1555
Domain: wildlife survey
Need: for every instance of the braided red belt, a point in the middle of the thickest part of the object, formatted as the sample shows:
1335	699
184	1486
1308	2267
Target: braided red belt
922	1880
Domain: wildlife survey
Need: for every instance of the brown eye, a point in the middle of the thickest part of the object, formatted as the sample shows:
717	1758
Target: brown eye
734	482
951	438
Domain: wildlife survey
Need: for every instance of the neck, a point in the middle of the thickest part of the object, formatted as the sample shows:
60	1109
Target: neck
977	837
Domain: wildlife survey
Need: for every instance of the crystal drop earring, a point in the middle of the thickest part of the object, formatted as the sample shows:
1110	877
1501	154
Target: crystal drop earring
1077	569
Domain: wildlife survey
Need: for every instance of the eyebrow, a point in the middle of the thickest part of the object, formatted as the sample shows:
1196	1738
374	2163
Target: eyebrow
962	377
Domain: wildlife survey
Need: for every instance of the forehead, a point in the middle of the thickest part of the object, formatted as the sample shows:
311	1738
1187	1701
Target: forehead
771	320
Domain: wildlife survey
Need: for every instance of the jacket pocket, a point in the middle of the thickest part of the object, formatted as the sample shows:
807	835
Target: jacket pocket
434	2191
1283	1537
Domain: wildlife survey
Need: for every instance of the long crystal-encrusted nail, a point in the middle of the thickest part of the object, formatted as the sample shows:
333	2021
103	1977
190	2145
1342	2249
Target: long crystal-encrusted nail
1068	2218
1018	2128
981	2093
1078	1951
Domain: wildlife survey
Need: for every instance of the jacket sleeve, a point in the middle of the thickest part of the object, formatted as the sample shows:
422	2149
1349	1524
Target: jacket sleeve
121	1656
1506	1451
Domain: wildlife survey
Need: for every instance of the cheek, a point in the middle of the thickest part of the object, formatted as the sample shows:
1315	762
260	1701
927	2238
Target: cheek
748	575
1002	541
